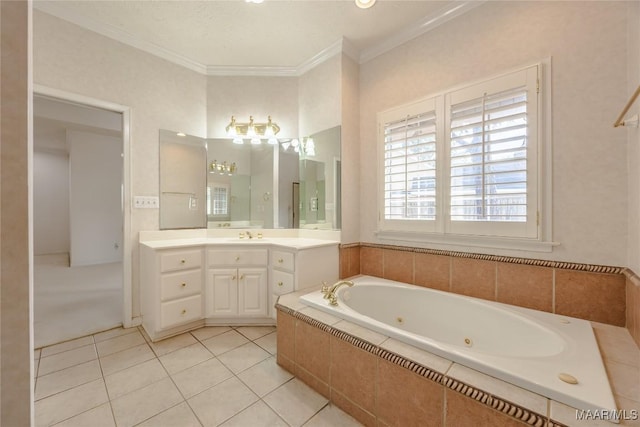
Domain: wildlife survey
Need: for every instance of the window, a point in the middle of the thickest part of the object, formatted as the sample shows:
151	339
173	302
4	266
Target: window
464	162
219	200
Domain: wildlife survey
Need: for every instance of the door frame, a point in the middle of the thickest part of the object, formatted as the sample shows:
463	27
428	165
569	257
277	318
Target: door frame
127	288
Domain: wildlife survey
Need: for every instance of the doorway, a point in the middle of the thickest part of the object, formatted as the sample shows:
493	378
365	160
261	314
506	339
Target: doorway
79	219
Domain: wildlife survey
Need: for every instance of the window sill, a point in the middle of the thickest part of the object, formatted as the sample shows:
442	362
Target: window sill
466	241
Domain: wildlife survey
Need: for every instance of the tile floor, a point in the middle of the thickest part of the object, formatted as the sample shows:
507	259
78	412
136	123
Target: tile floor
211	376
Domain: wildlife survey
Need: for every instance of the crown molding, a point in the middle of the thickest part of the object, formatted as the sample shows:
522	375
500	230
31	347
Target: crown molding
60	10
423	26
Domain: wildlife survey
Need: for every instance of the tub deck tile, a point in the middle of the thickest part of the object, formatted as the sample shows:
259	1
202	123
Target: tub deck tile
429	360
360	332
519	396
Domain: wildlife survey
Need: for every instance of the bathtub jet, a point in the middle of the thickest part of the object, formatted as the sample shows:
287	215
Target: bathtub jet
554	356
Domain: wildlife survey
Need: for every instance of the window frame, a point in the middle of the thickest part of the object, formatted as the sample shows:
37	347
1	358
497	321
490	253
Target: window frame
443	231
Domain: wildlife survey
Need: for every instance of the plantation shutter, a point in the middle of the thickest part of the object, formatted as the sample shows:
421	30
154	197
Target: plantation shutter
410	167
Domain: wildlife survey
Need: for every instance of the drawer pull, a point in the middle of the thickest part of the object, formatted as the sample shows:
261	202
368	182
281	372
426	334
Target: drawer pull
183	285
184	311
280	260
280	284
182	261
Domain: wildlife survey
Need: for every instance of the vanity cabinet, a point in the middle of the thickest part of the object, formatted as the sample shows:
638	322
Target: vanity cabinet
185	286
237	283
171	289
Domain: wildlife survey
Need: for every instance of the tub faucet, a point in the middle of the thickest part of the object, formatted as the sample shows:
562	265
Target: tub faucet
330	291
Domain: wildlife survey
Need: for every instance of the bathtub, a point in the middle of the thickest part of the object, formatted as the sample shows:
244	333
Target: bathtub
527	348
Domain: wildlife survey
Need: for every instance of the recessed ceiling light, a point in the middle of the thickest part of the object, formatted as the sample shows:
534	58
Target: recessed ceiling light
365	4
254	1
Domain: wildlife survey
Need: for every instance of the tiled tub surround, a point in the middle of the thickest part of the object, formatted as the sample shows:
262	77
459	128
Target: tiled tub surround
591	292
527	348
382	381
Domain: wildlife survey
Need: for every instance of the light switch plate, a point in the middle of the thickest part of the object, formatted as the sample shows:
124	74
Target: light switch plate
146	202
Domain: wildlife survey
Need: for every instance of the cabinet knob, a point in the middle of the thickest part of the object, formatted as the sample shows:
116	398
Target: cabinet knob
184	311
241	276
238	258
233	277
182	261
183	285
280	260
280	284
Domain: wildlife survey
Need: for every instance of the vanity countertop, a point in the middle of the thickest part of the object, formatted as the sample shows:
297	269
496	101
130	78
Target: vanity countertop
299	243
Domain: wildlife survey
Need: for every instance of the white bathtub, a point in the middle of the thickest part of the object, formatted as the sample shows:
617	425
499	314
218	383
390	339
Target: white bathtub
524	347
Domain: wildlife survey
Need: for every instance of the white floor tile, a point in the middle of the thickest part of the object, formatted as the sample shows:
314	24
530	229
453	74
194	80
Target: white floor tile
243	357
256	415
186	357
222	402
66	379
265	377
255	332
67	345
332	416
222	343
180	415
134	378
123	342
295	402
198	378
163	347
66	359
96	417
126	358
269	342
142	404
113	333
67	404
209	332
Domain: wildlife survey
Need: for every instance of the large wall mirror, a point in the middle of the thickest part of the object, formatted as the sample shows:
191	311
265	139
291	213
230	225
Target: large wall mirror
294	184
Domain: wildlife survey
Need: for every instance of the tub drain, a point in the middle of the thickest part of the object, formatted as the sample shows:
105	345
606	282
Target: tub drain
400	320
468	342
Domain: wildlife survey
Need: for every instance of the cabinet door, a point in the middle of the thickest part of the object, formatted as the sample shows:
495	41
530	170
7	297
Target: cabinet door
222	295
252	292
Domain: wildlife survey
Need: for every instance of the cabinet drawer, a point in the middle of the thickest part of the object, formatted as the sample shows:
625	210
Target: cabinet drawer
180	311
232	256
283	260
282	282
180	284
180	260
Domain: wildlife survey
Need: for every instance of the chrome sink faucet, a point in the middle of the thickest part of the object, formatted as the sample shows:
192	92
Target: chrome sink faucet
330	291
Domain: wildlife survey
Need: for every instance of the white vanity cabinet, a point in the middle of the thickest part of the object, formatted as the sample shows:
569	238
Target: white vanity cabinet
186	284
237	284
171	289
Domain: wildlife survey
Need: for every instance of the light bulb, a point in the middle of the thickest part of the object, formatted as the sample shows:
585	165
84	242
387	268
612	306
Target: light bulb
286	145
272	140
256	141
238	140
310	147
295	142
365	4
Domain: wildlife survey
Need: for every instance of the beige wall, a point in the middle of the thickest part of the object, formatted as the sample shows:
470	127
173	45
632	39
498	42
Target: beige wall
319	97
350	151
587	42
252	96
161	95
15	250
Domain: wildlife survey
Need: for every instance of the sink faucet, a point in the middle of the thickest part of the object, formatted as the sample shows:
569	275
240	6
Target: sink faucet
249	235
330	291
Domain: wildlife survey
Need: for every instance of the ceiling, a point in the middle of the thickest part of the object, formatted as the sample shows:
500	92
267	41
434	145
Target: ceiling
275	37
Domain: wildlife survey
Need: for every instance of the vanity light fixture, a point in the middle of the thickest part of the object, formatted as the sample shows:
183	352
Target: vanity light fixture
365	4
253	130
222	168
305	146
